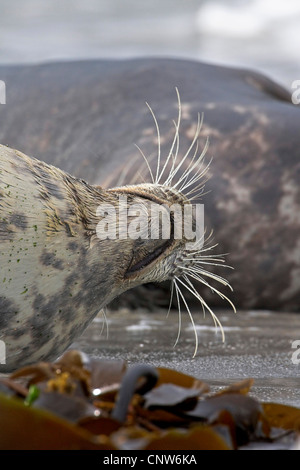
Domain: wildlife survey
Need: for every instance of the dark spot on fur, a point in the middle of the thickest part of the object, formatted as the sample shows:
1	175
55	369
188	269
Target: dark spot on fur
8	310
95	287
48	311
5	232
41	333
73	246
76	330
19	220
47	180
16	333
58	264
49	259
38	302
71	279
68	312
47	307
53	189
41	324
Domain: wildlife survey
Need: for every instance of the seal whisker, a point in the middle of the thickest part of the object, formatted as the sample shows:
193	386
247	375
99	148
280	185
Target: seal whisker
200	261
197	191
189	312
146	161
197	255
184	177
216	321
203	249
167	182
189	176
200	279
194	141
171	155
158	143
198	176
105	322
191	167
200	298
171	298
195	292
223	296
179	313
199	270
175	155
177	168
175	141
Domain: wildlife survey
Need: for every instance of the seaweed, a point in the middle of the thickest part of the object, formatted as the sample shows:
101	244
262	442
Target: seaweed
79	402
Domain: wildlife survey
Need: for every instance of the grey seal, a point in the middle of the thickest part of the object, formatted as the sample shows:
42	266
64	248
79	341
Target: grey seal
57	272
84	117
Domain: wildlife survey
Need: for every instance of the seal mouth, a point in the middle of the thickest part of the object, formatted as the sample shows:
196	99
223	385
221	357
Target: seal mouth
149	259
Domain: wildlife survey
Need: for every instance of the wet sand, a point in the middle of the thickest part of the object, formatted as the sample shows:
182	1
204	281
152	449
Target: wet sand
258	344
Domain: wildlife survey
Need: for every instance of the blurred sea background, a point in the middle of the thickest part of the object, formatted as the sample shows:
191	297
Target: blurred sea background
259	34
263	35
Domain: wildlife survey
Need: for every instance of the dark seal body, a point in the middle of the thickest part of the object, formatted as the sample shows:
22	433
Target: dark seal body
84	117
